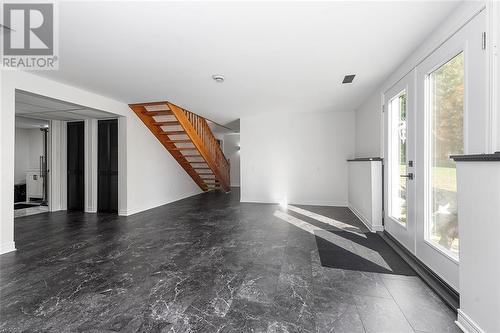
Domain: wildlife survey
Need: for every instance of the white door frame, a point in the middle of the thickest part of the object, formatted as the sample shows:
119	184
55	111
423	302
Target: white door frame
467	40
405	234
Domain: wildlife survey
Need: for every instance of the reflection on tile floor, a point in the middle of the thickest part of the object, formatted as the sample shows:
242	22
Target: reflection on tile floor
205	264
30	211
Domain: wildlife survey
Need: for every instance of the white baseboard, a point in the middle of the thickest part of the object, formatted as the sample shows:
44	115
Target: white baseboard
365	221
7	247
302	203
466	324
123	212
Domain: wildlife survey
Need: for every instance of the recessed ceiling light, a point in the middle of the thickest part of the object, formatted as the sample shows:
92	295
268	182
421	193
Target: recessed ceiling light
348	78
218	78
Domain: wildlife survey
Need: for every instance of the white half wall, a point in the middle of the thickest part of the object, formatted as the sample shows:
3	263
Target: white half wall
365	192
297	157
148	175
232	151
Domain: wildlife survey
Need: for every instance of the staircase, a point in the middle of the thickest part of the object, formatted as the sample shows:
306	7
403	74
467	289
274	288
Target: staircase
189	139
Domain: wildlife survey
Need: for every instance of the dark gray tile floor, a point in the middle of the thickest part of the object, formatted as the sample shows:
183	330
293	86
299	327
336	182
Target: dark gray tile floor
206	264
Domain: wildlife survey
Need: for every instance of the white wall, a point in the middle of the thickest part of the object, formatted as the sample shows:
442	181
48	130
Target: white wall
479	211
149	176
297	156
368	127
231	144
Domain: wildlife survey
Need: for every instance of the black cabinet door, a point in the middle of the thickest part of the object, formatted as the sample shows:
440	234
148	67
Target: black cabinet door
75	163
107	166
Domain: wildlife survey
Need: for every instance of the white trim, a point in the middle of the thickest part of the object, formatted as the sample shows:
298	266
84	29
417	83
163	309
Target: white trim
7	247
63	160
122	167
305	203
492	41
124	212
53	165
365	221
457	20
90	144
466	324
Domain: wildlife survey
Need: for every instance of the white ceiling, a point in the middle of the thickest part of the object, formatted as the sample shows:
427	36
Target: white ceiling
39	107
276	56
30	123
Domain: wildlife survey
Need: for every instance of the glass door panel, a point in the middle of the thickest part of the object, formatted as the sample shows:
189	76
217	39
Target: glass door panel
446	131
398	158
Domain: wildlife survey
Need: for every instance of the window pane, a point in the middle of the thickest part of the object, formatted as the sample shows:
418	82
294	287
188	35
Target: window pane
447	138
397	113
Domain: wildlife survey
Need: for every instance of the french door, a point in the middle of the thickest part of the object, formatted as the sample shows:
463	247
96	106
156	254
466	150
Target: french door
399	171
437	110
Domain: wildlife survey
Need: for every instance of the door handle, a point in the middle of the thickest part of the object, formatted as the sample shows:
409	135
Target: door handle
409	176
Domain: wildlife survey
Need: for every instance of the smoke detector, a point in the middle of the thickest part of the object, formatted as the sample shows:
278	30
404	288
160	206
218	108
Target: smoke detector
218	78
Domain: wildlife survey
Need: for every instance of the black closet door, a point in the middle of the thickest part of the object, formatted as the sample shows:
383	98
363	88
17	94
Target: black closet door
107	166
75	163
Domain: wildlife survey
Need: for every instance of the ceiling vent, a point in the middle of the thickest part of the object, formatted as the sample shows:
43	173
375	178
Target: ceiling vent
348	78
218	78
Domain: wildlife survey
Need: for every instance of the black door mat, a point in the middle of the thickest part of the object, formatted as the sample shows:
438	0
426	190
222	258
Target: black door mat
366	252
24	205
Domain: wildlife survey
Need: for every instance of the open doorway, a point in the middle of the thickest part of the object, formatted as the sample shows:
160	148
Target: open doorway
107	165
57	155
75	153
30	173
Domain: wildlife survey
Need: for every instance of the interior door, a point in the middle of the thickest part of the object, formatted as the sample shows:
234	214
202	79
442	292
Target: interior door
452	119
399	185
75	165
107	165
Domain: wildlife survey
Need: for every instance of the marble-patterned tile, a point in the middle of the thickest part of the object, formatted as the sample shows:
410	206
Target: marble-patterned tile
339	318
294	301
381	315
203	264
354	282
246	316
259	284
423	309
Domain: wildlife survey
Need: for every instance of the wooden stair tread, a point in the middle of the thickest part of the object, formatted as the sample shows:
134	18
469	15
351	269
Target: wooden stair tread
179	141
166	123
158	113
184	148
172	132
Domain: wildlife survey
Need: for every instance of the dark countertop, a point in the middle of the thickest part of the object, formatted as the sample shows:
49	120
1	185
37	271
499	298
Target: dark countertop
362	159
477	157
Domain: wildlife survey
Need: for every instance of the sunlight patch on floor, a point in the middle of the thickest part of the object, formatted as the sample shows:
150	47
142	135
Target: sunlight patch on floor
321	218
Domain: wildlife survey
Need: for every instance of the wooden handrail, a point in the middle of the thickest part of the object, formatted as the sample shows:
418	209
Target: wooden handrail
201	135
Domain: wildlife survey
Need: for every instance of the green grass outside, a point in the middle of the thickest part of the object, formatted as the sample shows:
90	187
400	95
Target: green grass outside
442	178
